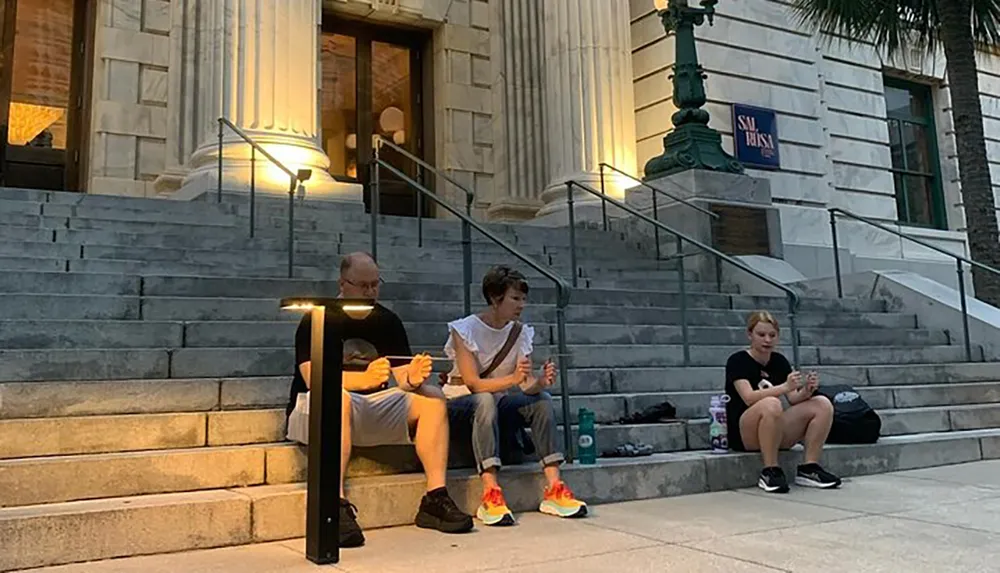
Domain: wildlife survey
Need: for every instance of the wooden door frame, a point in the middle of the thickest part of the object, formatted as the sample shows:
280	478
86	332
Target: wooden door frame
416	42
81	82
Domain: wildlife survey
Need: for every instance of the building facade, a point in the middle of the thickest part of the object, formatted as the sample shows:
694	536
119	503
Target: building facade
511	98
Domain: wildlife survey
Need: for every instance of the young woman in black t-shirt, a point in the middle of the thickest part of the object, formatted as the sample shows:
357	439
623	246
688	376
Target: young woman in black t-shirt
756	379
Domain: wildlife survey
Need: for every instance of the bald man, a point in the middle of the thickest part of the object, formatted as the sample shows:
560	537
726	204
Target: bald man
387	404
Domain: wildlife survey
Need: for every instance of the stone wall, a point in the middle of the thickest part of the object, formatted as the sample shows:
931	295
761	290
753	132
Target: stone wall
129	105
831	118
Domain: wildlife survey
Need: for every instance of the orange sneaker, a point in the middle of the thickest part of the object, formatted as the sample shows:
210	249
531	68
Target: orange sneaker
559	501
494	510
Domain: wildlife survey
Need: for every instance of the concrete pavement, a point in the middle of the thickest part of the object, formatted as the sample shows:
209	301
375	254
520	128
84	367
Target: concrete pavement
940	519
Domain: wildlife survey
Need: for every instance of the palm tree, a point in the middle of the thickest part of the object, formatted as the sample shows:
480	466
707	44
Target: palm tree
961	26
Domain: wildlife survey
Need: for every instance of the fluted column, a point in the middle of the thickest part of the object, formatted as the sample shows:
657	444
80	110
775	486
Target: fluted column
589	102
518	52
259	68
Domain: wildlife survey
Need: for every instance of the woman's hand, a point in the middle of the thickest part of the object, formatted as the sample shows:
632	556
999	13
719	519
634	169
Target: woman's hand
812	383
548	374
523	371
793	382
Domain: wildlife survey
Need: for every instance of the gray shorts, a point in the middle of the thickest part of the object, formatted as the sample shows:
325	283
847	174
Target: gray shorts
379	419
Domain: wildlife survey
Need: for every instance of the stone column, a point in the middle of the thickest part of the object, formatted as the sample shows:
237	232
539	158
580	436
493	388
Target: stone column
259	67
589	102
517	52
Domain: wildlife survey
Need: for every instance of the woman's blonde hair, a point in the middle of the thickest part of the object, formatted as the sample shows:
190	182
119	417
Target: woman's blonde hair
758	316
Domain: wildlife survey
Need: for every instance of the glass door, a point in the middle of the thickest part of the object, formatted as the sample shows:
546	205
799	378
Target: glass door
40	87
372	86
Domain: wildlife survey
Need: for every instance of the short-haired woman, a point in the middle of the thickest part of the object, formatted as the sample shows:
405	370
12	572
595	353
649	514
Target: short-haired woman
756	378
493	380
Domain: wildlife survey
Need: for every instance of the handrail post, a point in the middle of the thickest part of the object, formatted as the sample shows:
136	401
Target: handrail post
683	294
373	202
291	227
253	188
796	358
836	253
572	231
219	182
604	202
965	311
656	229
466	266
564	374
420	220
718	275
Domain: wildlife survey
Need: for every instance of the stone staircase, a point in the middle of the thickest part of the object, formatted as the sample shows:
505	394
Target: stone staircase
144	368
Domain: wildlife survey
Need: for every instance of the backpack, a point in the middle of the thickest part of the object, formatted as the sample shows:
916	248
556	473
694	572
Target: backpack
854	421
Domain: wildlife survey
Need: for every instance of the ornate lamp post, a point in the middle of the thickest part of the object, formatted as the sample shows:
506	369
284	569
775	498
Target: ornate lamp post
692	144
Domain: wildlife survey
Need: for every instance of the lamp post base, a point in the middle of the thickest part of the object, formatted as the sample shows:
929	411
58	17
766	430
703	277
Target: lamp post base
691	146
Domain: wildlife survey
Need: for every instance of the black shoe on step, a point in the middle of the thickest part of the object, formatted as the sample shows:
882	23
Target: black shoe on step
812	475
438	511
350	532
772	480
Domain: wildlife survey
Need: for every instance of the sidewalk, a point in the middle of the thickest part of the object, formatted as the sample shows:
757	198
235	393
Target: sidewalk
941	519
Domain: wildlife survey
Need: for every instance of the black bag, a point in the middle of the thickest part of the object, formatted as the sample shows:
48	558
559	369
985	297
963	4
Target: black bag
854	421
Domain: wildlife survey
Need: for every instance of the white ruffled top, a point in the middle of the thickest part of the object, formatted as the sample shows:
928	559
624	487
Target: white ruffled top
484	342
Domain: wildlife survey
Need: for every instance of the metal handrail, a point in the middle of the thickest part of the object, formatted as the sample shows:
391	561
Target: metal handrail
793	297
295	179
656	210
563	290
469	195
959	259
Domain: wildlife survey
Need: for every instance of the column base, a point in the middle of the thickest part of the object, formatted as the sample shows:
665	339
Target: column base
510	209
586	206
268	179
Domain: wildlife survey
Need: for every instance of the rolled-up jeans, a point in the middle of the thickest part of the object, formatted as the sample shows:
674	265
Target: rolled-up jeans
485	411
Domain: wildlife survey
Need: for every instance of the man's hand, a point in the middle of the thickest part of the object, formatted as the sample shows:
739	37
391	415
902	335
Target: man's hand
377	372
523	370
419	369
793	382
548	374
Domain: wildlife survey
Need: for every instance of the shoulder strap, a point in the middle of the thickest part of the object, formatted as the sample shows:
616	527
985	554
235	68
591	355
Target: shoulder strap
508	345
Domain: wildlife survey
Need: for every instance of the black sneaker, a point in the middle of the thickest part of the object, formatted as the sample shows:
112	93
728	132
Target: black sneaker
812	475
438	511
350	531
772	480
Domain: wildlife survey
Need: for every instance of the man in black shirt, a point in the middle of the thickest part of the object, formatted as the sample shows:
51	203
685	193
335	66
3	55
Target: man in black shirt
374	413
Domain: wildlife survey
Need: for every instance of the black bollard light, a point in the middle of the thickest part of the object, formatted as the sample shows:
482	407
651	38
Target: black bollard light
325	403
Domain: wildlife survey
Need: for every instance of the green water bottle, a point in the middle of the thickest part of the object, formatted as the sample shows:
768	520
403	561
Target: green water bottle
586	438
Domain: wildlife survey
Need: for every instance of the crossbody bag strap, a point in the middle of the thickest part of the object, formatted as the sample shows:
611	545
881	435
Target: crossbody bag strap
508	345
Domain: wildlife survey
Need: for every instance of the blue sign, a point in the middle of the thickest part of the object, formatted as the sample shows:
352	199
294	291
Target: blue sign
755	131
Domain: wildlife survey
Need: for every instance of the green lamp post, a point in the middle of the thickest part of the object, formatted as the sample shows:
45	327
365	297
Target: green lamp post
692	144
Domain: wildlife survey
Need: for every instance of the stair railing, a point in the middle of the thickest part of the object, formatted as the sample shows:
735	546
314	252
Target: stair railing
563	290
960	263
681	238
295	180
655	191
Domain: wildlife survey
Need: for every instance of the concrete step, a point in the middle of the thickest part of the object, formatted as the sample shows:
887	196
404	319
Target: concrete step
131	215
68	306
52	479
11	264
70	283
275	333
48	399
35	437
152	524
70	334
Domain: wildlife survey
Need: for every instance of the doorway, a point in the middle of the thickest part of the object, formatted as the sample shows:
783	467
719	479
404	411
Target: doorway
372	82
41	92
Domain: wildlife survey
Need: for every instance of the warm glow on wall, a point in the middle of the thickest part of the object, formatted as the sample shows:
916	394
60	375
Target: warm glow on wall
660	5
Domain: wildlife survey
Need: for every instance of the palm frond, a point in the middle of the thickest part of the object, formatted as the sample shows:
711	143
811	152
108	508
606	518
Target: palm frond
890	24
986	22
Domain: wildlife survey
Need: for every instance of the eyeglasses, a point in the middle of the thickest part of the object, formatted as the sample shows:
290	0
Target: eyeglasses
366	286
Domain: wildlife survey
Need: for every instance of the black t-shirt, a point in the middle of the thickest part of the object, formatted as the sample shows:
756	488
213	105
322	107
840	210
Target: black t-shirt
742	366
379	334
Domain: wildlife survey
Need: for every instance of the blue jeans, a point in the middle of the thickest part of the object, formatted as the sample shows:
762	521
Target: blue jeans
487	413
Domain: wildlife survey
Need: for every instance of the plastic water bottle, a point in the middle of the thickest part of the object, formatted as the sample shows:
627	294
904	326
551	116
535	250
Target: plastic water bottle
586	438
718	430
